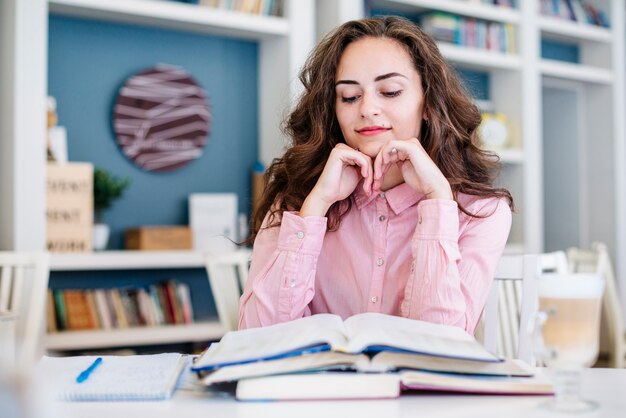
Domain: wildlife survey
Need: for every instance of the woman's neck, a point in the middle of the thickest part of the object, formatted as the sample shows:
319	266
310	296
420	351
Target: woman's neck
392	178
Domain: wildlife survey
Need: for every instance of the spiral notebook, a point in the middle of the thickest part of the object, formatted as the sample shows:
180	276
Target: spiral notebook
116	378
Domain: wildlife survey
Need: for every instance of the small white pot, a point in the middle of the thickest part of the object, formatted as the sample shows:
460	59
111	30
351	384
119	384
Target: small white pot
100	236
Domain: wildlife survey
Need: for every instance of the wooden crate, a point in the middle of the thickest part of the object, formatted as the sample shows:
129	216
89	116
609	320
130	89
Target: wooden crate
158	238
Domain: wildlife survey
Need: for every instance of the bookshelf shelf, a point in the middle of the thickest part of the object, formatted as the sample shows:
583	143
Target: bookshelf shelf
178	16
479	58
127	260
80	340
575	72
565	30
462	8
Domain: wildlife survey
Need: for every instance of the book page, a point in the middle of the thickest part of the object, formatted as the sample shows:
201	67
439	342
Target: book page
141	377
308	363
387	360
274	341
536	385
393	332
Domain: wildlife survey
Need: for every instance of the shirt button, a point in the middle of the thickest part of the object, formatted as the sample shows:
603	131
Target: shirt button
382	218
300	234
380	262
419	220
374	299
381	195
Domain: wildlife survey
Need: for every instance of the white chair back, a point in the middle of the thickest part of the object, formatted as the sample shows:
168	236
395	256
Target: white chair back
23	287
228	273
510	307
554	262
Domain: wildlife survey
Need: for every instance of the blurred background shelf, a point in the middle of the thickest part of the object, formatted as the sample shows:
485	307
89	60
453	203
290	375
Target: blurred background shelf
136	336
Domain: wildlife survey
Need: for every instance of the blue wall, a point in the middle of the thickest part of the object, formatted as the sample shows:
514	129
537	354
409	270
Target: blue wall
89	61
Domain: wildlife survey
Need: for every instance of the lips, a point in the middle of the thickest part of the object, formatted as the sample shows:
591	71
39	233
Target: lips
372	130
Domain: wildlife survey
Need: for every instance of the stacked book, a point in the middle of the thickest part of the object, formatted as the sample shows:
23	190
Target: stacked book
469	32
165	303
369	355
575	10
258	7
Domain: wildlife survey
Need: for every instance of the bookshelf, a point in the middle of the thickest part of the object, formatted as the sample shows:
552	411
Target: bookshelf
283	43
203	330
127	260
578	173
165	334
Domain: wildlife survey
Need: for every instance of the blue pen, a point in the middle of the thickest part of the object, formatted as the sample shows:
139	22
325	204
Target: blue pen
84	375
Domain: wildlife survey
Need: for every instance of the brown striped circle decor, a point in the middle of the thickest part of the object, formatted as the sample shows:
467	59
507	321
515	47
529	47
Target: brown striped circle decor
161	118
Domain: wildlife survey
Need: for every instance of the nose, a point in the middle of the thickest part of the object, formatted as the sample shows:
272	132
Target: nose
370	105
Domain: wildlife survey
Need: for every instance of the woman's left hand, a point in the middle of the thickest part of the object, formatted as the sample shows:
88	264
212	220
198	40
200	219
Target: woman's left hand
418	169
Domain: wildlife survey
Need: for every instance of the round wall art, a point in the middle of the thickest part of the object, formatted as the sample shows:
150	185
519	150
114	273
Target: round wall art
161	118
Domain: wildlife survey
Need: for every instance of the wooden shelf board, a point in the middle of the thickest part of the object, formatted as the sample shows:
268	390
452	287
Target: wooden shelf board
90	339
126	260
479	58
174	15
577	72
566	30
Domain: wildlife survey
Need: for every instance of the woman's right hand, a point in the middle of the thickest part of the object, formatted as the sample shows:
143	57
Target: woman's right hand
342	173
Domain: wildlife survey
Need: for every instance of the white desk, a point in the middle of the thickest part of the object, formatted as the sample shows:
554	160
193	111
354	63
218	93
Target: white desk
606	386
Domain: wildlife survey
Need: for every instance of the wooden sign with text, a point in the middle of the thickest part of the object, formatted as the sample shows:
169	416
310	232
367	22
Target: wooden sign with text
69	207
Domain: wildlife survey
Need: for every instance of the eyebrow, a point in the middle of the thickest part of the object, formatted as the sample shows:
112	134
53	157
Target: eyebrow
379	78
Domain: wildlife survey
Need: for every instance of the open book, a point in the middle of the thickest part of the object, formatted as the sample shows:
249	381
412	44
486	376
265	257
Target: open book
363	333
383	362
367	356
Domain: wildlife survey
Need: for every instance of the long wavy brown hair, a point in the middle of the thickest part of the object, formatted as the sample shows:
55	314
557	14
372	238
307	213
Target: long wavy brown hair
449	135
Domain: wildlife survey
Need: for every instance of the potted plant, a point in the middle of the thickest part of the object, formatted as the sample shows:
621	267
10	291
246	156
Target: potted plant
106	188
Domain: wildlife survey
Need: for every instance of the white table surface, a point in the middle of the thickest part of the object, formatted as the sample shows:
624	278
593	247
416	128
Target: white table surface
606	386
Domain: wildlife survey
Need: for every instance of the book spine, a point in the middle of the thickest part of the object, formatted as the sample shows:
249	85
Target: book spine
103	309
92	309
51	312
61	314
185	300
172	295
120	314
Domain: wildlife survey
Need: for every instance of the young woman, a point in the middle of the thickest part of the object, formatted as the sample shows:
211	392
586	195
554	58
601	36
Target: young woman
384	201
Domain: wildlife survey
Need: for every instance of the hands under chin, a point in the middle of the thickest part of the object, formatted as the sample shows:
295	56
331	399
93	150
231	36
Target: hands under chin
346	167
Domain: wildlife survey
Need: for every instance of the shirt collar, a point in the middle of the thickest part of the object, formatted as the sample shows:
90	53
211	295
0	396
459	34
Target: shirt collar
398	198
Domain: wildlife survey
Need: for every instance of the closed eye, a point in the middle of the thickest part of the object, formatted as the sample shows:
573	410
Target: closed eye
392	93
350	99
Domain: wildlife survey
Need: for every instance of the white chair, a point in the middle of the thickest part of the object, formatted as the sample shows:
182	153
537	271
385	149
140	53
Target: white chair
511	306
228	273
554	262
598	261
509	331
23	287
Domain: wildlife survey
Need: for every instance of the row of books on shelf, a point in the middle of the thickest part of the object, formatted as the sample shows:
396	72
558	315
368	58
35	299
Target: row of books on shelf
257	7
469	32
165	303
575	10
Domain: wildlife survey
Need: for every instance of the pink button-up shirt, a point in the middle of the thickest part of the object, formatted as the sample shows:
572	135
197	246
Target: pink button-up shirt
394	252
